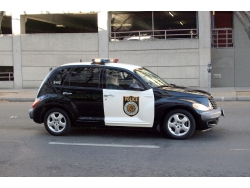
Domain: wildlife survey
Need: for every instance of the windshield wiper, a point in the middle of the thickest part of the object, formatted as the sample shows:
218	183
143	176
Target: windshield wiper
173	85
163	86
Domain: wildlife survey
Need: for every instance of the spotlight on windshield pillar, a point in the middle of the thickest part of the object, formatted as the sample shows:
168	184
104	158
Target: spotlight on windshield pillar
171	14
50	69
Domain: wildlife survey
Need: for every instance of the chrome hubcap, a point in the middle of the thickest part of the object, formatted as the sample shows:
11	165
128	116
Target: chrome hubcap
178	124
56	122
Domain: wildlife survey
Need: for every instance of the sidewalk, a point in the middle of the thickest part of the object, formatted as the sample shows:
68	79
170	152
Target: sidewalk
219	94
18	95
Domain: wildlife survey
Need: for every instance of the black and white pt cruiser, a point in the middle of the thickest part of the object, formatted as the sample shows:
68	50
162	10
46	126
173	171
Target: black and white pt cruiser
111	94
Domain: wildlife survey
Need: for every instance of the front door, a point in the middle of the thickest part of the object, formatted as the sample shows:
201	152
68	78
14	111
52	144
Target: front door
126	107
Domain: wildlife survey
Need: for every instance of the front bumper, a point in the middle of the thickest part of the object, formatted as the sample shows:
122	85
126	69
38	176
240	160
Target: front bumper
212	114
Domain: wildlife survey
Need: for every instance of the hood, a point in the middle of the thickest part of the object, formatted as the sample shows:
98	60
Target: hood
183	91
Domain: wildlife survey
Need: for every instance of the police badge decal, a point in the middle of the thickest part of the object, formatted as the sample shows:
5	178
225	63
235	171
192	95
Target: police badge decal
130	105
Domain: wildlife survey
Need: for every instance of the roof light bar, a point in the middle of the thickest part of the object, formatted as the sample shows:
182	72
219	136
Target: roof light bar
114	60
104	60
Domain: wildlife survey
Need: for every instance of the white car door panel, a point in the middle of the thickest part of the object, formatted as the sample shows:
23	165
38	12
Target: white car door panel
128	108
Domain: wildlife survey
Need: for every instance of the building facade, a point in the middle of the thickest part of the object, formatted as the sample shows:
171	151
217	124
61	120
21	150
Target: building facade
34	44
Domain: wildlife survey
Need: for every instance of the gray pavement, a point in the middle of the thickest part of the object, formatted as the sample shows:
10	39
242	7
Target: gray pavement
220	94
18	95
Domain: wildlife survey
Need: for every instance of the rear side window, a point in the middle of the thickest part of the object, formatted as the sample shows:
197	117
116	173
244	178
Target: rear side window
53	80
84	77
60	77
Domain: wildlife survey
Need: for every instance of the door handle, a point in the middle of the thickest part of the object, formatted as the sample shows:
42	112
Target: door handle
66	93
148	96
108	95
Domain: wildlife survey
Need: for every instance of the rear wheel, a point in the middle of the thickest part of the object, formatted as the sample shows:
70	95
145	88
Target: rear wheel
179	124
57	122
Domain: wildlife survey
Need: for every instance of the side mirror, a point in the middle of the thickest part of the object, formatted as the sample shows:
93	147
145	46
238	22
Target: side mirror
135	87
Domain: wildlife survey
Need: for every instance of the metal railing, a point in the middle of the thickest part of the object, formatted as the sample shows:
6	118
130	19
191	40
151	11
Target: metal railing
222	37
153	35
6	76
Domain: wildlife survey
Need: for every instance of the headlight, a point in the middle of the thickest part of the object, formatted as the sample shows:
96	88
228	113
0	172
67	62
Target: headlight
210	105
200	107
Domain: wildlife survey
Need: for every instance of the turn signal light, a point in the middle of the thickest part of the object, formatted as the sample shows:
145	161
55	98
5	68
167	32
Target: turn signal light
36	103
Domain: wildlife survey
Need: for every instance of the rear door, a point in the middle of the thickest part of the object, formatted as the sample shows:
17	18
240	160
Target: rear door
84	91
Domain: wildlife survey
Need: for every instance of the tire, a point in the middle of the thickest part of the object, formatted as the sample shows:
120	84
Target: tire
179	124
57	122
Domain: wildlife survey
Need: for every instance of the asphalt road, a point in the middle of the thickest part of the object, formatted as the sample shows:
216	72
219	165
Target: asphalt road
27	150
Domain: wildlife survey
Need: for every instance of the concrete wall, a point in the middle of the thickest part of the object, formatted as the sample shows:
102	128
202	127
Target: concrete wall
6	57
204	18
6	84
182	62
177	61
231	66
222	74
6	50
242	55
42	51
17	50
39	52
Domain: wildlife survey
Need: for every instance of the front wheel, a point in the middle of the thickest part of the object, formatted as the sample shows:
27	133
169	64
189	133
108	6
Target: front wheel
179	124
57	122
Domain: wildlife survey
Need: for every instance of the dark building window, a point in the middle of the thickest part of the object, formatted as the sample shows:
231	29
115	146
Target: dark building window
223	19
6	25
159	24
222	29
6	73
61	23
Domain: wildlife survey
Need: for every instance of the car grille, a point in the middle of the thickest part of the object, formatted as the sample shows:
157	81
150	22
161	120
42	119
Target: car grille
212	101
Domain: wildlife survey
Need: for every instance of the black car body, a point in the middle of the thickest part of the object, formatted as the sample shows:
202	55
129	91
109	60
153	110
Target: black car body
80	94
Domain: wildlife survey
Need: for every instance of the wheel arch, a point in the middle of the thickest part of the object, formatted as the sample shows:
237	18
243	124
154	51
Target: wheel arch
56	105
176	107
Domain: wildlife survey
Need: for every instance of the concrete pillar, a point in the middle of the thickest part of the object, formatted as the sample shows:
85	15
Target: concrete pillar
204	18
103	33
17	52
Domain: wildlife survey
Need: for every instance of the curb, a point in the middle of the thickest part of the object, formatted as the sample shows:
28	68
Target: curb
225	99
18	99
243	98
221	99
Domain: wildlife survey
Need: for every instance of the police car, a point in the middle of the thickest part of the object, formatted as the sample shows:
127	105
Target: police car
111	94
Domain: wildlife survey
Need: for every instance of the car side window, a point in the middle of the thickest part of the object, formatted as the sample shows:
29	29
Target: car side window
119	79
84	77
60	77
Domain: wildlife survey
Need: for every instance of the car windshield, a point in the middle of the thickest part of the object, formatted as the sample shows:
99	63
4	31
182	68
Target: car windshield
150	78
